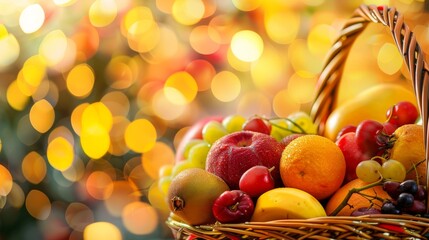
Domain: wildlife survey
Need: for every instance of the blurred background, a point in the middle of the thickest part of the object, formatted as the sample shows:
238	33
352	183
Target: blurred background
96	94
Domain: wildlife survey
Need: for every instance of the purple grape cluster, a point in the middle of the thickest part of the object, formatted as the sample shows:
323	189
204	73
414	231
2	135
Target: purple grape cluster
407	197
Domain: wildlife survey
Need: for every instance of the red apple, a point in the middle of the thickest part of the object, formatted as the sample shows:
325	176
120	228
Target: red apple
257	124
256	180
233	206
233	154
194	132
352	154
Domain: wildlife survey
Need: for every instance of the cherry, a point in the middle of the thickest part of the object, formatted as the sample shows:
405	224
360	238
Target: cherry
256	180
402	113
233	206
366	136
257	124
346	129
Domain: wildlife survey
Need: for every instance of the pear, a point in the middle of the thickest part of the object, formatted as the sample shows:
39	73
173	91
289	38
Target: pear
408	148
192	193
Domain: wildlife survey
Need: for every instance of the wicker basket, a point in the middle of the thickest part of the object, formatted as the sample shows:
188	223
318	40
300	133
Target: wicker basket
380	226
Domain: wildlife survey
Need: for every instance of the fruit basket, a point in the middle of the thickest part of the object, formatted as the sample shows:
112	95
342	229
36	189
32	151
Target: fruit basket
378	226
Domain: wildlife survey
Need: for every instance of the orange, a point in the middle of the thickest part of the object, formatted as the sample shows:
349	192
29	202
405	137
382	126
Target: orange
314	164
356	201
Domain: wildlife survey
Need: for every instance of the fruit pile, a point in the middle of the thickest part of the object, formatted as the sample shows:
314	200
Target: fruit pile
234	169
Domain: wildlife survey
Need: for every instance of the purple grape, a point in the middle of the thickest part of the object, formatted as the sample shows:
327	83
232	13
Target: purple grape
389	208
417	207
365	211
421	193
392	188
408	186
405	200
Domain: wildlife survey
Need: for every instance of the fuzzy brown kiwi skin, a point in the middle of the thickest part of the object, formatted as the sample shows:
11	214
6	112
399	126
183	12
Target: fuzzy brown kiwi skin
192	193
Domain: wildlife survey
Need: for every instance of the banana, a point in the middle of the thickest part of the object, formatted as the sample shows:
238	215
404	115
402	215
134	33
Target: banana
286	203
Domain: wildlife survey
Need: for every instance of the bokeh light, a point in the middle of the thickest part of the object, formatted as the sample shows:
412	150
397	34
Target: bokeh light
32	18
96	96
247	45
102	230
5	180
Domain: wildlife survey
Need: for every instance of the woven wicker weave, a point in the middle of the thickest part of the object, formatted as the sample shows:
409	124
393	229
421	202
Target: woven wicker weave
380	226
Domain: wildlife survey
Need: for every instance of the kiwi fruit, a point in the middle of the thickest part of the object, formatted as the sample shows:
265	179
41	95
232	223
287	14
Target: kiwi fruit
192	193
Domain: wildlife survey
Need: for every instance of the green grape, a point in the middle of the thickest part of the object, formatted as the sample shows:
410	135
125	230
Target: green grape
212	131
198	154
157	198
368	171
304	121
165	170
279	128
189	145
164	184
180	166
233	123
393	170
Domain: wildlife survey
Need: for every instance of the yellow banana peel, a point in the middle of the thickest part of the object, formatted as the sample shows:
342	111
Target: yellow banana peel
286	203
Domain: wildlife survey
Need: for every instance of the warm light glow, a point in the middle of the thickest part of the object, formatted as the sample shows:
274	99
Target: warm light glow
188	12
253	102
102	12
97	184
180	88
42	116
321	38
152	160
140	135
38	204
275	22
80	80
301	89
10	49
102	230
64	2
202	42
143	35
95	141
78	216
15	97
32	18
164	108
122	193
140	218
34	167
6	181
16	197
268	72
389	59
60	154
247	45
283	104
97	115
247	5
226	86
53	47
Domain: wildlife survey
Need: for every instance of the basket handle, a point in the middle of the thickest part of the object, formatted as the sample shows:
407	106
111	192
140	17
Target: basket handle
408	47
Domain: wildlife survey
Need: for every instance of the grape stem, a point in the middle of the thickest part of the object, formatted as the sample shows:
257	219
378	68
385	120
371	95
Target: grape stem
356	190
285	128
414	167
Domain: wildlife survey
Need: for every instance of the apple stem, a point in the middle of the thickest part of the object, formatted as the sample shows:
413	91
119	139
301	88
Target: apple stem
234	207
271	169
178	203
